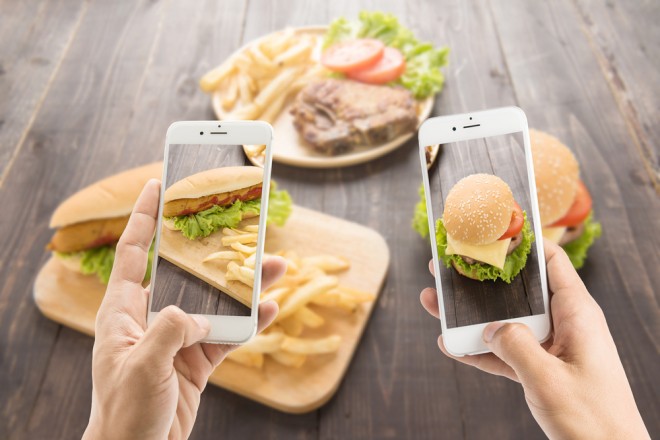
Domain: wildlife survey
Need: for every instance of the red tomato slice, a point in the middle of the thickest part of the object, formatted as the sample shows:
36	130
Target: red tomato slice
579	210
516	225
390	67
353	55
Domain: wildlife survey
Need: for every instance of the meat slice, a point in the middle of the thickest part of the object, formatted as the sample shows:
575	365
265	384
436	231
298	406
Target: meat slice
334	116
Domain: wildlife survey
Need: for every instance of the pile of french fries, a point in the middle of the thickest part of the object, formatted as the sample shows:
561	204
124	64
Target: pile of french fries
309	283
257	82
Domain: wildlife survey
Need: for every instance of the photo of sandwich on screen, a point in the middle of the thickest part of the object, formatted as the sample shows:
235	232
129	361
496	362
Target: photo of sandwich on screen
483	230
211	195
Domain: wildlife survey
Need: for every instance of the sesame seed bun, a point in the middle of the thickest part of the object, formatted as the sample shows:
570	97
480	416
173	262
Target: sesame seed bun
111	197
215	181
478	209
556	172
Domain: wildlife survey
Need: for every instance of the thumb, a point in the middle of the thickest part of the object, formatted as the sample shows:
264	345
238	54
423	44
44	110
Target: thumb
516	345
172	330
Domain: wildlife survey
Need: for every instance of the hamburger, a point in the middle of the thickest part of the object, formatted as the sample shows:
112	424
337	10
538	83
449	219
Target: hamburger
565	204
90	222
483	233
214	199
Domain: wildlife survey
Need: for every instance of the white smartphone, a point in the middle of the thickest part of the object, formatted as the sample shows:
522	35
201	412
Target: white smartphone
211	228
484	226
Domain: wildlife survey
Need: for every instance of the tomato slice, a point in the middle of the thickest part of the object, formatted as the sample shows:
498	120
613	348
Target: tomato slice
390	67
579	210
516	225
353	55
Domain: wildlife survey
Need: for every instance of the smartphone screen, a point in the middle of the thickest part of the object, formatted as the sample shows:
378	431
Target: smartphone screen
484	276
207	253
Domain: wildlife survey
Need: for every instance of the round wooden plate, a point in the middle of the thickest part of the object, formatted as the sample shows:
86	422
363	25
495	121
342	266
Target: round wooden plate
289	148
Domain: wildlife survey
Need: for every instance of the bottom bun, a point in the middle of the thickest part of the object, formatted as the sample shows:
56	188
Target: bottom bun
71	262
471	274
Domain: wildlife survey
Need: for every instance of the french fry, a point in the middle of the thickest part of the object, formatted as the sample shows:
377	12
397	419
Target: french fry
276	87
274	109
292	326
239	273
247	358
294	55
212	79
356	295
244	91
288	359
251	228
224	255
250	261
304	294
275	294
240	247
260	58
229	93
265	343
309	317
239	238
250	111
327	263
229	231
328	344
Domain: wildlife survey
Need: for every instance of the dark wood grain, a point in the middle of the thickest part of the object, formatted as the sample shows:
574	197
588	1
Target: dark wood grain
119	73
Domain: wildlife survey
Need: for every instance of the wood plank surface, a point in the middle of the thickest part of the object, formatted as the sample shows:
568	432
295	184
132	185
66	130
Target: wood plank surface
118	73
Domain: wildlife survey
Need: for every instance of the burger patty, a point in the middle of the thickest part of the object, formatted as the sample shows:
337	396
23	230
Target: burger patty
86	235
572	233
192	206
515	242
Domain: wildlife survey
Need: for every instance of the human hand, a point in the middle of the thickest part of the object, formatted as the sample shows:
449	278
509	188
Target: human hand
148	381
574	383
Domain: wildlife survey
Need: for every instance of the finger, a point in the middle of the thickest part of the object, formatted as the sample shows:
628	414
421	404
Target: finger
431	268
562	276
429	300
515	344
272	269
133	247
172	330
216	353
487	362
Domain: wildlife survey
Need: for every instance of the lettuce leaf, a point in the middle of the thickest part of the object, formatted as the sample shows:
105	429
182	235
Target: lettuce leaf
513	264
99	260
420	221
280	205
423	62
204	223
577	249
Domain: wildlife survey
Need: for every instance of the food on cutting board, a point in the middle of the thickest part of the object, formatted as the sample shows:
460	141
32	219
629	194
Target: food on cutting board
387	74
483	232
565	204
90	222
309	283
334	116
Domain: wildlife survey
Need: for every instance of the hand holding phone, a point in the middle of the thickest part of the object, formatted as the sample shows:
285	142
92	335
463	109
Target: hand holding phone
483	217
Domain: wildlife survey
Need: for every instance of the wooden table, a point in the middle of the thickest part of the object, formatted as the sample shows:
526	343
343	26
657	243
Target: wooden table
89	88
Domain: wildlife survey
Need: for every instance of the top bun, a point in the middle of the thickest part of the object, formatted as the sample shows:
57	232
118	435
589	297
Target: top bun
215	181
111	197
478	209
556	172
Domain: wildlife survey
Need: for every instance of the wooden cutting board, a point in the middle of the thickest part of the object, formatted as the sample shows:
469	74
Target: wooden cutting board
73	299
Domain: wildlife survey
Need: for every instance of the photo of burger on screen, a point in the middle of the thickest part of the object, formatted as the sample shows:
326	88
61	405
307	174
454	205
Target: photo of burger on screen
214	199
483	233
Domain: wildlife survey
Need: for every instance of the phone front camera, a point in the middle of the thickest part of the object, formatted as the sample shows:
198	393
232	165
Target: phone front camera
453	128
201	133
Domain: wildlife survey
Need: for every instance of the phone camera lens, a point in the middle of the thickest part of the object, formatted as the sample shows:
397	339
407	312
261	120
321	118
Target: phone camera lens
454	128
201	133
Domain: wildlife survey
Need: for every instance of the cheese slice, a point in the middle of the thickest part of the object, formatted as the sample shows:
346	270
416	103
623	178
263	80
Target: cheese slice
493	254
554	234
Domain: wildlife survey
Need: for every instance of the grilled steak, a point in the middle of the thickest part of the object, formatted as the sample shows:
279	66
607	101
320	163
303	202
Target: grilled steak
333	116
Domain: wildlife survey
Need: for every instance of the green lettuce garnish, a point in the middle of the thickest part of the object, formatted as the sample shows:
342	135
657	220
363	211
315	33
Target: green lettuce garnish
423	62
420	221
577	249
280	205
99	260
513	264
